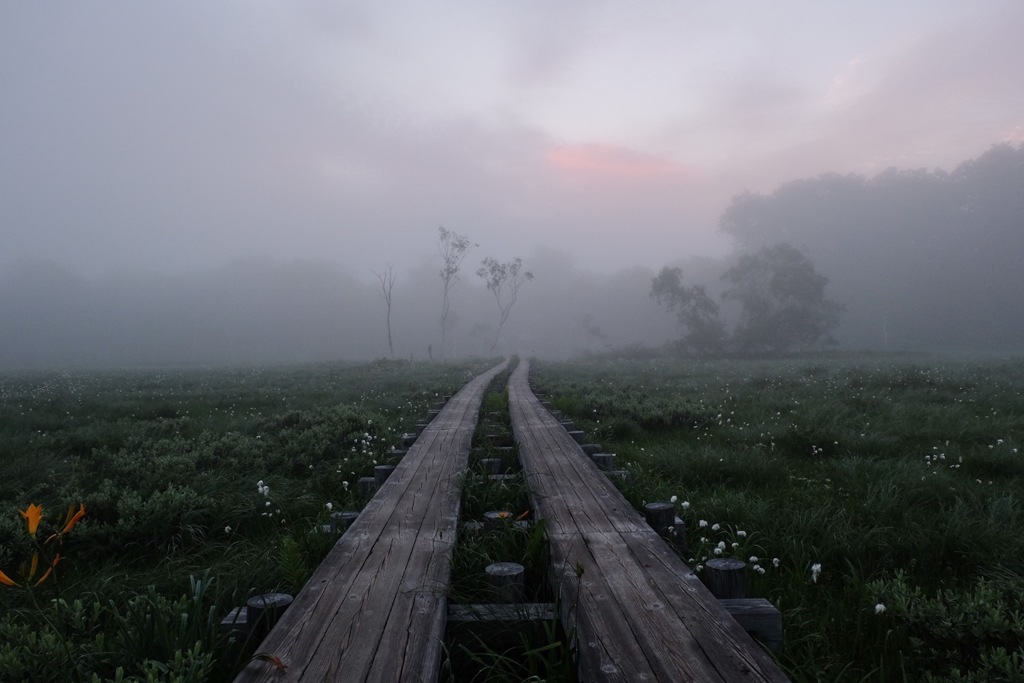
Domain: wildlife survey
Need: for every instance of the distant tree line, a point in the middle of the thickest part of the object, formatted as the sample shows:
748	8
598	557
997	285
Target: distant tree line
920	260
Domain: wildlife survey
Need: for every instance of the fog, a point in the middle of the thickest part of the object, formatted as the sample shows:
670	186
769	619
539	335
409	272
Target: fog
193	183
275	311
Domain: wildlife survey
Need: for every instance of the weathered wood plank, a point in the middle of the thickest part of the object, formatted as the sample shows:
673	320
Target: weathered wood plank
637	610
375	608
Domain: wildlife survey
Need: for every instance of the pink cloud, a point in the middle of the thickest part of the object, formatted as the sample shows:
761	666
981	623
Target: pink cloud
609	160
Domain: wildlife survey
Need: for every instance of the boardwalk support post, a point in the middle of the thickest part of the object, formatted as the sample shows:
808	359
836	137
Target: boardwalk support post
726	577
381	474
366	486
661	517
508	581
343	520
495	518
263	611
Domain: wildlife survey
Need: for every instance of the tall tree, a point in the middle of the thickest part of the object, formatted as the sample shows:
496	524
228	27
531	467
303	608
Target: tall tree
504	281
697	312
387	284
783	301
453	248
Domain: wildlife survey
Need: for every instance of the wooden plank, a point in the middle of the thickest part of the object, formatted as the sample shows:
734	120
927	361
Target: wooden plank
637	611
375	608
758	617
522	611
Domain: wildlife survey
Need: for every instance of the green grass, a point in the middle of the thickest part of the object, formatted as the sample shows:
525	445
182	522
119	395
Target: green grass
898	476
167	464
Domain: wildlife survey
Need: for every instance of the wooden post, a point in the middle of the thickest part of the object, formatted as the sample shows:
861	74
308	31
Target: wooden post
604	461
591	448
408	440
577	435
366	486
726	577
263	611
381	474
473	527
343	520
497	517
508	581
661	516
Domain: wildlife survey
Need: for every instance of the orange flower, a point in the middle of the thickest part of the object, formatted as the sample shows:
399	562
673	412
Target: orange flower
49	571
6	580
32	516
72	519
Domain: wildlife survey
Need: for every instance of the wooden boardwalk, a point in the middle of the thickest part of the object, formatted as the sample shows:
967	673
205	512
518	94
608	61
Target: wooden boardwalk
375	609
637	611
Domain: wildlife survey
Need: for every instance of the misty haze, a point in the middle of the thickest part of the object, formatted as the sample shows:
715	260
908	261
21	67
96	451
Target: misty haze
188	186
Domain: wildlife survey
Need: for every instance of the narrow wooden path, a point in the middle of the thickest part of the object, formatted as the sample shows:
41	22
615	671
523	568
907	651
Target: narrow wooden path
637	611
375	609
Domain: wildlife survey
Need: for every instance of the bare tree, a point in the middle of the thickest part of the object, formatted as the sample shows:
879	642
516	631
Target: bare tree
387	283
453	248
504	281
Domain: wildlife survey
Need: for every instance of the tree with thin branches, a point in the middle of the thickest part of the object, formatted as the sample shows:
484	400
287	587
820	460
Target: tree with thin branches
453	248
503	280
387	284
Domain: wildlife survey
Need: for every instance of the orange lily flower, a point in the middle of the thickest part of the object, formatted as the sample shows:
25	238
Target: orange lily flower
72	519
34	566
69	521
32	515
49	571
6	580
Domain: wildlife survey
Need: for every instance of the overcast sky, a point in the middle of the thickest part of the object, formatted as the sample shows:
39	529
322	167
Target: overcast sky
183	135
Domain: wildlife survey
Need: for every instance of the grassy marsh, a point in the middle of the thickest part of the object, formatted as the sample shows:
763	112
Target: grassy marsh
901	479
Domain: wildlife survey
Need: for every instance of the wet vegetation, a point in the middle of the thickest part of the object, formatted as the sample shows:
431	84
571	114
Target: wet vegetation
877	500
201	488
